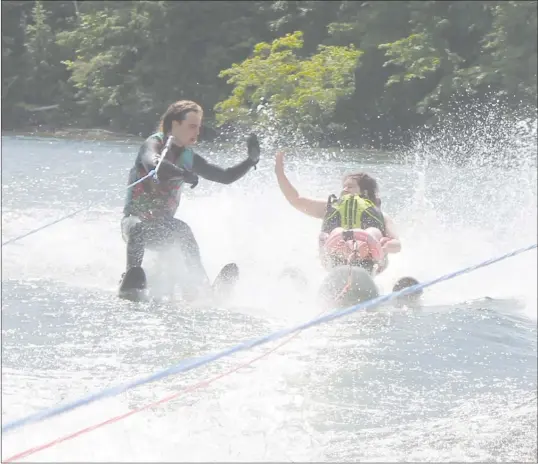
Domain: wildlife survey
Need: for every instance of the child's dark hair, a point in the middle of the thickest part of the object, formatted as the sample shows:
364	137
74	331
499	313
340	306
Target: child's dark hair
367	185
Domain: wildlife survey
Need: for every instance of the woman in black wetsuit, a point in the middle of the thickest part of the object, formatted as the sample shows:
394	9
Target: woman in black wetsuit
150	206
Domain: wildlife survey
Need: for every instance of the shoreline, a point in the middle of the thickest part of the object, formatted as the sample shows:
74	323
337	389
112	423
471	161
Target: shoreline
97	134
90	134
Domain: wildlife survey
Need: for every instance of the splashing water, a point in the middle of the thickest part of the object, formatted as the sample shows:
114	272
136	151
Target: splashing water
438	384
475	195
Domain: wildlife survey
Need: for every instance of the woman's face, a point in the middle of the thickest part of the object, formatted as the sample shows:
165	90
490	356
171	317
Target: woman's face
186	132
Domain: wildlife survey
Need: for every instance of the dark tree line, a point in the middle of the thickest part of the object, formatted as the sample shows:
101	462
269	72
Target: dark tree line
357	71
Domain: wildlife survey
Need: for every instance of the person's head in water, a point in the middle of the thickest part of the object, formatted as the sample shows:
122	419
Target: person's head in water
182	120
411	298
362	184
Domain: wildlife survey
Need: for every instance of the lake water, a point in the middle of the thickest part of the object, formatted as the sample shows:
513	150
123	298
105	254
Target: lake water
452	381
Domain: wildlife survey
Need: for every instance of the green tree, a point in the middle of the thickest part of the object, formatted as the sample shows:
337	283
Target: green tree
34	80
43	82
309	17
274	84
134	58
374	111
108	42
510	50
14	16
444	42
120	63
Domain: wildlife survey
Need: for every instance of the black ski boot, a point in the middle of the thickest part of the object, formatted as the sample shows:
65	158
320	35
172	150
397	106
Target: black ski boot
133	285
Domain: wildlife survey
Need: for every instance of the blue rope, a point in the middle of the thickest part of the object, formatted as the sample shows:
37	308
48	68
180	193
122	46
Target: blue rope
151	173
192	363
16	239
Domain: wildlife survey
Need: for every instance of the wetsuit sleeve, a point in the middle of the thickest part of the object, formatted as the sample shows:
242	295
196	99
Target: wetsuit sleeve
217	174
149	156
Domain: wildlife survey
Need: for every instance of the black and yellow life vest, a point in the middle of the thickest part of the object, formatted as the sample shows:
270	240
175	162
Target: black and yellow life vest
352	212
149	199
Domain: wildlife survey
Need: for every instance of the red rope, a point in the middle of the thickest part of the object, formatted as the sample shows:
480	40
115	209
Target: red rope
347	285
203	383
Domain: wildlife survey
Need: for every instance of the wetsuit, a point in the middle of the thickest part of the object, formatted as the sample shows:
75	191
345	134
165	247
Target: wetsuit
150	206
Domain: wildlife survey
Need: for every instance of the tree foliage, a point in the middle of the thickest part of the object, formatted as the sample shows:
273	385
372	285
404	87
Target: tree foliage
368	70
302	92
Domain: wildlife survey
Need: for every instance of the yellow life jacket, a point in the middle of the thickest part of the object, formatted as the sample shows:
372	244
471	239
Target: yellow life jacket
350	211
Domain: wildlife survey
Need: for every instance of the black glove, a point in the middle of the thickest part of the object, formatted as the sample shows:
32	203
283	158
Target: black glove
190	177
253	148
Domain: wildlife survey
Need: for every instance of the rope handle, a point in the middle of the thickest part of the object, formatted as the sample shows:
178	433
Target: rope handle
163	155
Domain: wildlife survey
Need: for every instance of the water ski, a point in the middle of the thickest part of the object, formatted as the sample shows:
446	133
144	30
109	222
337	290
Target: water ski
133	286
346	286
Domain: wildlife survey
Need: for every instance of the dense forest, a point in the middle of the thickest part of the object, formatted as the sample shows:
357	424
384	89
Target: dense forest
362	72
